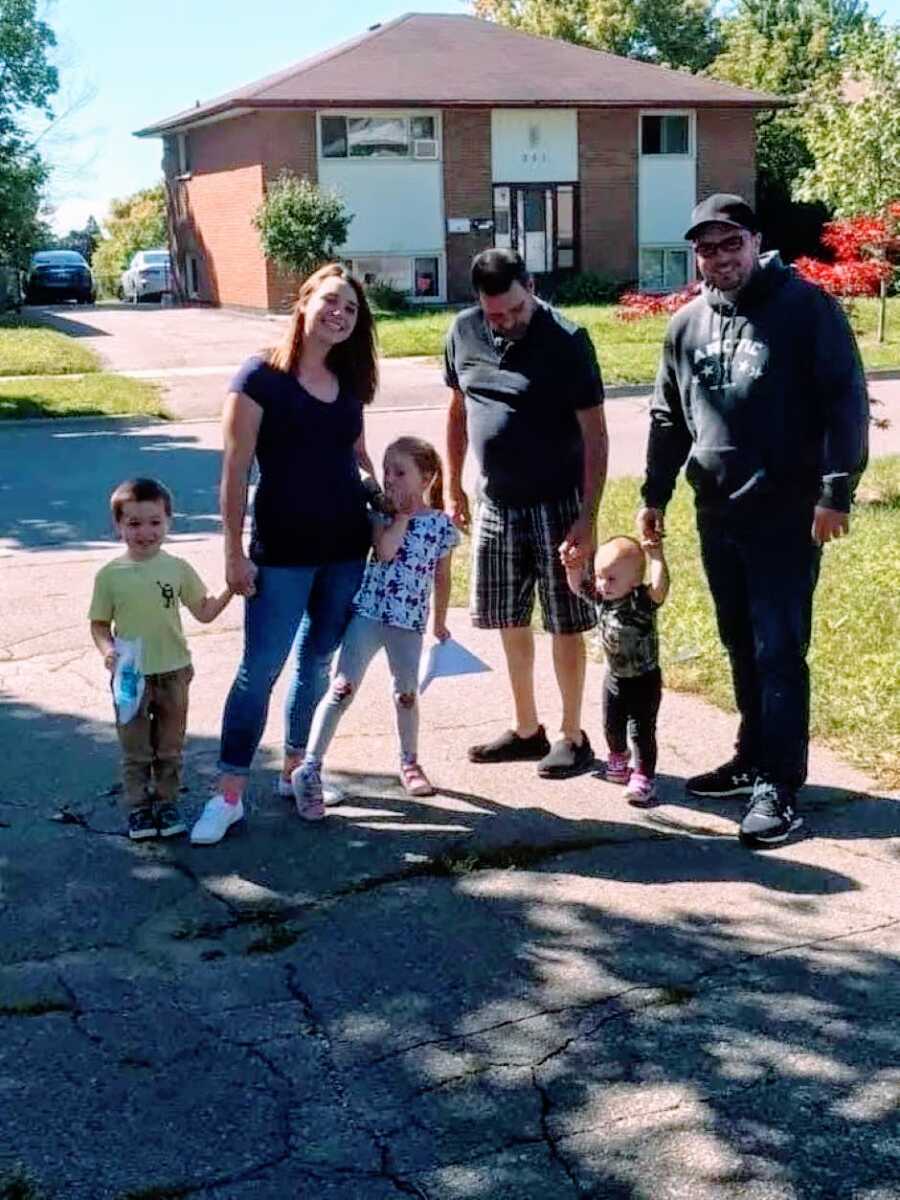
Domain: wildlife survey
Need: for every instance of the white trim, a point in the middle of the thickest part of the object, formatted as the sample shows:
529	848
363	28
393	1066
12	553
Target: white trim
389	113
691	115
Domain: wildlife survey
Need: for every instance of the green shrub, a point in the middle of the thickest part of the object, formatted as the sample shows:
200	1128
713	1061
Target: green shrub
300	225
587	287
384	297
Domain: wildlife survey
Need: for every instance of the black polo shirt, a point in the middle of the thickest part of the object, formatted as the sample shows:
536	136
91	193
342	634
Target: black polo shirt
521	403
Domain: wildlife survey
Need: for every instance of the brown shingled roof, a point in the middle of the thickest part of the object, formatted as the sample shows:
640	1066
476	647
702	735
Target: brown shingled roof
405	62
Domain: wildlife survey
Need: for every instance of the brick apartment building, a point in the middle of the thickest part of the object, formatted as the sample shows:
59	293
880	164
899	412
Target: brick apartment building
447	134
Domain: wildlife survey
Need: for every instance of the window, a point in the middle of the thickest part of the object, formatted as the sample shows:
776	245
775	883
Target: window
192	271
665	134
565	227
334	137
426	279
663	268
184	154
378	137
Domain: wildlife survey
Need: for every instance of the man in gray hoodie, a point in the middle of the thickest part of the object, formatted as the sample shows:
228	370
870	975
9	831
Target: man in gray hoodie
761	391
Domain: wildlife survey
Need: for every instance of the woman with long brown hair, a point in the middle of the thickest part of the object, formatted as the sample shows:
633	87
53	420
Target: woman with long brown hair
299	413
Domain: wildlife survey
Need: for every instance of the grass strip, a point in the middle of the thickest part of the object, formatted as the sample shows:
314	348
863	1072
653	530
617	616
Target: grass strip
97	395
29	348
628	350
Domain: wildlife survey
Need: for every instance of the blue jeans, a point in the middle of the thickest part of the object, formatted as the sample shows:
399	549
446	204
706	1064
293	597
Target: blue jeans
298	610
762	575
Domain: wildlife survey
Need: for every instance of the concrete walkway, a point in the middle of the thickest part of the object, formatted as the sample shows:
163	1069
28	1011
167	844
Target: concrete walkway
517	990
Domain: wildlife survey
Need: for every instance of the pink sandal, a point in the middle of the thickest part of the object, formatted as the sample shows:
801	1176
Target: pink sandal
415	781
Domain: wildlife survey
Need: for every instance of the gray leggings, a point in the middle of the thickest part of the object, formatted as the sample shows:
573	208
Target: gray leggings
362	641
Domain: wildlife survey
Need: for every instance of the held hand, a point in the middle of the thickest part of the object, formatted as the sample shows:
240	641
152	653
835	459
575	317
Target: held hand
110	658
829	524
577	549
575	577
651	526
240	575
441	632
459	511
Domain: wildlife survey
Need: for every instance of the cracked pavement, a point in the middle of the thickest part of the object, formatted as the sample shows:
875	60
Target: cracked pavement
516	990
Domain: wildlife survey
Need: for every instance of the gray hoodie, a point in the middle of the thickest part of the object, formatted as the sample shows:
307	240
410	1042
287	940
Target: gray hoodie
764	396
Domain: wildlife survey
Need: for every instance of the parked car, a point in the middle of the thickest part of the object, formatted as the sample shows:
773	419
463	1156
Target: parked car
55	275
149	276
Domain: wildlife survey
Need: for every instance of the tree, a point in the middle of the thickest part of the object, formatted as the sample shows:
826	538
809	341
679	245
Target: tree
678	33
27	81
853	131
136	223
786	47
84	240
300	225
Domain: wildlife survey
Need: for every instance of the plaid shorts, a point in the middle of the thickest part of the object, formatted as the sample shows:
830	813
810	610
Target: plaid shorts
512	550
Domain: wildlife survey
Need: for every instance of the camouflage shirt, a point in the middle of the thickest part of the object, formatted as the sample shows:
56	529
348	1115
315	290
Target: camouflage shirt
627	631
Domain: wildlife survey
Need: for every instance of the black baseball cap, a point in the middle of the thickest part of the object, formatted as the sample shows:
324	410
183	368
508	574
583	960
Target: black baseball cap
723	209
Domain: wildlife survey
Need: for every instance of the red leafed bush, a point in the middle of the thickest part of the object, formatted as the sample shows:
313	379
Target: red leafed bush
859	277
862	248
633	306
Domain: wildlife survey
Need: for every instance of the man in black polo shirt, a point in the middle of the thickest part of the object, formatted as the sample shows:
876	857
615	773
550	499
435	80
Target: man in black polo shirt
528	397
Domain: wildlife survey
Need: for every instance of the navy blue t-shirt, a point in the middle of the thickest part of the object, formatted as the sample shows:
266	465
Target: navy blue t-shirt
522	403
310	506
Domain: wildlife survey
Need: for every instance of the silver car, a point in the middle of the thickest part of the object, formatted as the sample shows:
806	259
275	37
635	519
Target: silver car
149	276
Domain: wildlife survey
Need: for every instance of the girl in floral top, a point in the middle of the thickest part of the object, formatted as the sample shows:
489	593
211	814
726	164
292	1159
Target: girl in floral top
412	554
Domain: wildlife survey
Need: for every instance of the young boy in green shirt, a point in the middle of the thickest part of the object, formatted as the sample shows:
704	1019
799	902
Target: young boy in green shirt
138	595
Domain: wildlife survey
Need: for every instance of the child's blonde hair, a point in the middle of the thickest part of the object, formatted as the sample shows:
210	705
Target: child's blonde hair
429	463
628	548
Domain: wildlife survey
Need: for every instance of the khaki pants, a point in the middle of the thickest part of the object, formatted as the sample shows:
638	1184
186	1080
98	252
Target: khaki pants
152	742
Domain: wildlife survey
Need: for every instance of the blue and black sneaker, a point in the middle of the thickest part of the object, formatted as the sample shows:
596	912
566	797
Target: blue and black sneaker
771	815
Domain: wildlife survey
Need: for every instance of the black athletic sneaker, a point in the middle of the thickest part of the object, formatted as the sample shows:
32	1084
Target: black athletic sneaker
509	747
169	821
731	779
141	824
566	759
771	815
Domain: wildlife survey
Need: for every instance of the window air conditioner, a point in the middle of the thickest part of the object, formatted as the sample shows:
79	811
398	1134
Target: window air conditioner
424	148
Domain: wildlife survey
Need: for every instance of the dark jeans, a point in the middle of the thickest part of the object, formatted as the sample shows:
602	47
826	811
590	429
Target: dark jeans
762	575
630	706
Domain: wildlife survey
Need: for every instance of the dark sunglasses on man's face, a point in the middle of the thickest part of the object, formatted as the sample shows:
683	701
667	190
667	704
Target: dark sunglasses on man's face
729	245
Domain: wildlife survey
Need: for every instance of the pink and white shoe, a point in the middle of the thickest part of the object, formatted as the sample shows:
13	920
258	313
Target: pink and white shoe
640	791
618	768
306	783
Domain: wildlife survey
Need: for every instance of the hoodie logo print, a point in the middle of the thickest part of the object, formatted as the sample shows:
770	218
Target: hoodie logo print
729	362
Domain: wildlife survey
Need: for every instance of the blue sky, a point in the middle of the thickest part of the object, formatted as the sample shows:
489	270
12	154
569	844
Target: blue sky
125	65
128	65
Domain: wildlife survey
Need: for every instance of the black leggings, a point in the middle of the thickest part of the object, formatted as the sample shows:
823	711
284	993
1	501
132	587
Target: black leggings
630	706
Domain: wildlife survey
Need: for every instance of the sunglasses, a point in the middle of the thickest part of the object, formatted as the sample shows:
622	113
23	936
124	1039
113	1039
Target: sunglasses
729	245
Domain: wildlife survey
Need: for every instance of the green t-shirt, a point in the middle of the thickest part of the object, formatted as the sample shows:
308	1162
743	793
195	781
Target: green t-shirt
143	600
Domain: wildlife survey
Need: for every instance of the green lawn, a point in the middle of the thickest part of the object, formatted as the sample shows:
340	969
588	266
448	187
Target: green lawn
855	656
29	348
91	396
628	350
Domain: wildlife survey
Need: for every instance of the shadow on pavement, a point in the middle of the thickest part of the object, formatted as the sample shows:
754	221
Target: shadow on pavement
57	481
445	999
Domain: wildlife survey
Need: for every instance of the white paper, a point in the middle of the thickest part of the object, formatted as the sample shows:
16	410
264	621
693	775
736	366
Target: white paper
448	658
128	679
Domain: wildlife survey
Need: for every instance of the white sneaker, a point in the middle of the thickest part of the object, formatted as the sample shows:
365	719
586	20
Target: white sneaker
331	793
216	819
